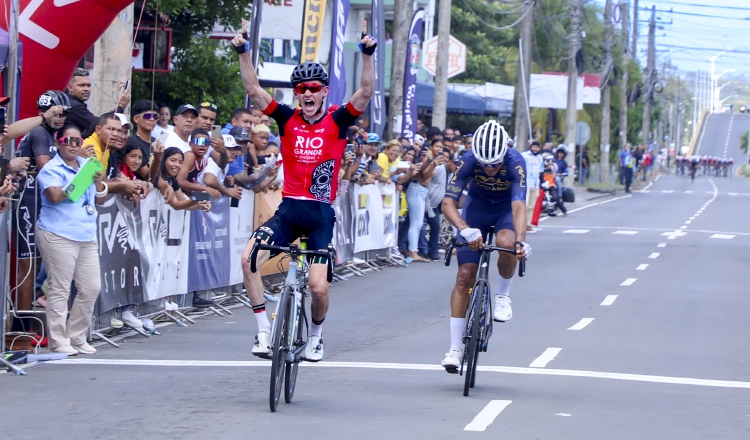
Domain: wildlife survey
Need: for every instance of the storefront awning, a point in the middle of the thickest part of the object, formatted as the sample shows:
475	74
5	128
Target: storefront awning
457	102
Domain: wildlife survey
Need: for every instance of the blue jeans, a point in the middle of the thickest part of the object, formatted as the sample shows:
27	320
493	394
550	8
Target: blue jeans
558	181
403	234
430	248
416	197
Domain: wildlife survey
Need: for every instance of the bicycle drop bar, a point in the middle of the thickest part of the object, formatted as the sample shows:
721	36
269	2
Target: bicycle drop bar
486	249
292	250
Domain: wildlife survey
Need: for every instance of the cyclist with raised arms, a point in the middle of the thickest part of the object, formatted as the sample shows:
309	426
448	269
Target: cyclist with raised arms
313	141
496	199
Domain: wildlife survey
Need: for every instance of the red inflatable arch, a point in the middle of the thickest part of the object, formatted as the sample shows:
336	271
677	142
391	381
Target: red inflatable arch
56	34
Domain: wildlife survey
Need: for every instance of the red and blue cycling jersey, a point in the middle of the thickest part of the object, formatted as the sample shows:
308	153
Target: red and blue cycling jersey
508	185
312	152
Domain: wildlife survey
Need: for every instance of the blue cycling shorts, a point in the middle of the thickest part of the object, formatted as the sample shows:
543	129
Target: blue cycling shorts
482	216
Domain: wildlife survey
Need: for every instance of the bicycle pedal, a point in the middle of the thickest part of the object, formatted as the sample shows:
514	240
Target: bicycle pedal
263	355
451	369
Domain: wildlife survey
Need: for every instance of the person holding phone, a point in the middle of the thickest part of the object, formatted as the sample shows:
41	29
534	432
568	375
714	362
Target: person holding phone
312	143
194	164
365	169
417	195
169	168
79	91
216	178
67	240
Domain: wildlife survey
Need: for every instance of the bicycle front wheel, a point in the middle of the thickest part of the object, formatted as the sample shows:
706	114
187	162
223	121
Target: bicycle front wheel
278	347
471	349
290	374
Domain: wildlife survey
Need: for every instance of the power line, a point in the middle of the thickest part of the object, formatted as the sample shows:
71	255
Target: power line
694	14
698	5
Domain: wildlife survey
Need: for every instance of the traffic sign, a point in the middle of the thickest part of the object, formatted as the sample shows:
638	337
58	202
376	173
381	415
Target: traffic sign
583	133
456	56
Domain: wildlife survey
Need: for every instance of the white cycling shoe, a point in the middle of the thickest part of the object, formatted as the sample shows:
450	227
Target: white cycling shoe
313	349
262	346
452	361
502	312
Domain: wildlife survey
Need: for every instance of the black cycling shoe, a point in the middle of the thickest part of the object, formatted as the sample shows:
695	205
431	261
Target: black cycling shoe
200	303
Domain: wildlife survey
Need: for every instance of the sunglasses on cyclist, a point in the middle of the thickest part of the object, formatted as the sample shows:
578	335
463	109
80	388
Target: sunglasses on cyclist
202	142
491	166
311	86
150	116
71	141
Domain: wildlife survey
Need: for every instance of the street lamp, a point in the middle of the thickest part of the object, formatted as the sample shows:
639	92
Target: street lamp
717	90
713	84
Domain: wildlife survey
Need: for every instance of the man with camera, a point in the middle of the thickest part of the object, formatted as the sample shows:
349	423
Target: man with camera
79	91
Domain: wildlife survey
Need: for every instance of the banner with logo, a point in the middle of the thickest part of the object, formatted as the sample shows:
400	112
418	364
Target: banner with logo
413	52
377	103
208	265
375	216
337	82
241	229
343	229
312	29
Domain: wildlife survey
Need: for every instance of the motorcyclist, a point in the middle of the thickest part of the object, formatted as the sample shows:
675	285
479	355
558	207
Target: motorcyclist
548	182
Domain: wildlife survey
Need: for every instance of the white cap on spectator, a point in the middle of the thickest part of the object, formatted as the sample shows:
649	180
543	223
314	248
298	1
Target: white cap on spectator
124	121
229	141
418	138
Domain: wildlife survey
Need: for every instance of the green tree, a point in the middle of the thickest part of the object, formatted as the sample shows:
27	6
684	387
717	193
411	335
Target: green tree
744	142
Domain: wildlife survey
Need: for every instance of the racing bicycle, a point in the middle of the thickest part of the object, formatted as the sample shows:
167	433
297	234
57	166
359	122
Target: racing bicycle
289	329
478	314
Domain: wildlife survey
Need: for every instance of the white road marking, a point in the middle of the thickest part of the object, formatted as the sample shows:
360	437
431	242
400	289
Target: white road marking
687	192
723	236
609	300
644	190
683	227
628	282
693	217
642	267
576	231
597	204
667	232
667	191
487	415
673	235
568	415
661	245
654	254
582	324
688	222
733	194
625	232
423	367
548	355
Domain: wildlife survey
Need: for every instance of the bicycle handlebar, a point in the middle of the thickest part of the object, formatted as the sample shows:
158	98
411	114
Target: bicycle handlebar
291	249
487	249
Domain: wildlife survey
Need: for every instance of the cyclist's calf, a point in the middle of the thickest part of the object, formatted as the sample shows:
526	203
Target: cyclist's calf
317	279
253	282
506	263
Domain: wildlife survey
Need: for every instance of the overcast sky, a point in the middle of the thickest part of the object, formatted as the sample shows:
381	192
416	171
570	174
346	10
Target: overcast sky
697	33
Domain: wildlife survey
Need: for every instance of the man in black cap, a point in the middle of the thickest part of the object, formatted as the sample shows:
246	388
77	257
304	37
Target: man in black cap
79	91
185	120
242	137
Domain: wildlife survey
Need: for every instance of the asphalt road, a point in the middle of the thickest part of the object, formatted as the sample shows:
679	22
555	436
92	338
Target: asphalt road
667	358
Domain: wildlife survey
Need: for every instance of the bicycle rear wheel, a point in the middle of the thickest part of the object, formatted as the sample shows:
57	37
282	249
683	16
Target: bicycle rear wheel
290	374
471	350
278	348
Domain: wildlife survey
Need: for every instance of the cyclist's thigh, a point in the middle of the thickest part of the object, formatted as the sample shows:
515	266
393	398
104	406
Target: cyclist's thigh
480	216
318	227
277	230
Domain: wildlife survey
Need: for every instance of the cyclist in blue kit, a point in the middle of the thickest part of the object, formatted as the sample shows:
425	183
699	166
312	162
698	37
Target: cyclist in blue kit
496	180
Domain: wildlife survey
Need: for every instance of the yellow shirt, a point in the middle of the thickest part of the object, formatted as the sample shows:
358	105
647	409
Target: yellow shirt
387	166
102	154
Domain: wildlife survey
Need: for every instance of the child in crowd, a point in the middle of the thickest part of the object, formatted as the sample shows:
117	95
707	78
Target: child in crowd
125	164
194	163
171	163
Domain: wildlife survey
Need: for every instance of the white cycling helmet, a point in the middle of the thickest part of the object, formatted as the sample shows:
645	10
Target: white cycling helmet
490	143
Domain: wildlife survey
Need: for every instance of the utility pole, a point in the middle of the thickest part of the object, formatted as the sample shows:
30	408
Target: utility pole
604	142
695	105
633	52
112	63
440	106
648	96
624	82
402	12
571	112
678	127
524	76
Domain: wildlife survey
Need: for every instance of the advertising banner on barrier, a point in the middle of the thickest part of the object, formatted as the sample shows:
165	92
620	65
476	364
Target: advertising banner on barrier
375	216
343	229
154	251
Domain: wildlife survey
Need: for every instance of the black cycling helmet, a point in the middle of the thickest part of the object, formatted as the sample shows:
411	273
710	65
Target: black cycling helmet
309	72
52	98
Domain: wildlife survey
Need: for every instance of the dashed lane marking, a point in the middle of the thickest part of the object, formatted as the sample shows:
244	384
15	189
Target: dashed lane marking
654	254
629	282
580	325
487	415
723	236
661	245
546	357
609	300
623	232
424	367
576	231
642	267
